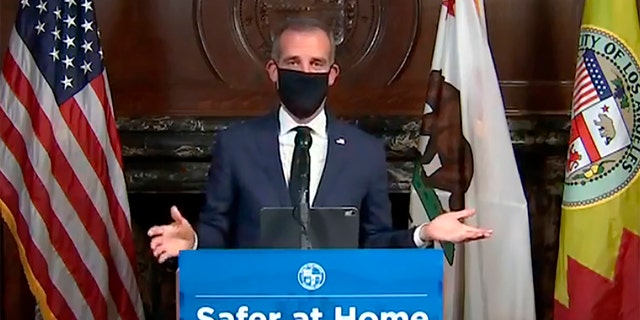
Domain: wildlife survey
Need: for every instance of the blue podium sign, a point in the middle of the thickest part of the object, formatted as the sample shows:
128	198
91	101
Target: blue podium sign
360	284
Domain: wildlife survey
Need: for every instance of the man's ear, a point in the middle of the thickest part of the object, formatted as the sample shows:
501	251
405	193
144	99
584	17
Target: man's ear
333	73
272	70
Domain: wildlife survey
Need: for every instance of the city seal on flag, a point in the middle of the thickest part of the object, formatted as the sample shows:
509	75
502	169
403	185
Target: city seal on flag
604	145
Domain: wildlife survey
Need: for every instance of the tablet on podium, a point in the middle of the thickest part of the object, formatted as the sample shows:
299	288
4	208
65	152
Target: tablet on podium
328	228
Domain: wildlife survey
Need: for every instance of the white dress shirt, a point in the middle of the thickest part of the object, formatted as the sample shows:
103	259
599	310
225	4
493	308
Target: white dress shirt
317	152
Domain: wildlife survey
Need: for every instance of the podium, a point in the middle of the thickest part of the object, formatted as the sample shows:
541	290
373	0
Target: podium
325	284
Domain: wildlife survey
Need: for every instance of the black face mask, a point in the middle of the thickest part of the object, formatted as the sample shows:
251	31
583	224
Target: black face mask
302	93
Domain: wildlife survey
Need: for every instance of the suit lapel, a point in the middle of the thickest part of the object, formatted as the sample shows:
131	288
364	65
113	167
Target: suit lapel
269	153
336	158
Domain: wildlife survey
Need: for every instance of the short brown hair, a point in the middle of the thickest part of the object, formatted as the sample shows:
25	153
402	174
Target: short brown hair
301	24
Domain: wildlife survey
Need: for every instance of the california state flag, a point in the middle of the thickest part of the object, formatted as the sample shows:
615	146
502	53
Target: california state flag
467	162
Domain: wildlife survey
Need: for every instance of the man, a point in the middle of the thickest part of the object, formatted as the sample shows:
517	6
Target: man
251	162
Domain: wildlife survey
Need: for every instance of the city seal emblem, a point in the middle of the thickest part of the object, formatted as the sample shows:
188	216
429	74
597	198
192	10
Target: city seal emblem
311	276
604	145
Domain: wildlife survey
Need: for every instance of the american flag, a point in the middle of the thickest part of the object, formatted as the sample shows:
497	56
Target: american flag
62	190
590	85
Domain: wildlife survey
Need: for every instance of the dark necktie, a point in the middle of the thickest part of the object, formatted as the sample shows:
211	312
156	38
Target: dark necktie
300	165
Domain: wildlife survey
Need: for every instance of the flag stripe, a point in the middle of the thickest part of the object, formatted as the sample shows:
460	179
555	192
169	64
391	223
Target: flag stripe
88	126
70	182
55	302
87	131
102	95
63	170
60	239
573	134
582	83
99	86
122	219
38	228
102	157
57	271
82	131
587	140
584	92
63	143
585	101
70	117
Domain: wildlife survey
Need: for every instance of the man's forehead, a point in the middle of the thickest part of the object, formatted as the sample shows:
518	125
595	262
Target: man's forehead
294	42
318	32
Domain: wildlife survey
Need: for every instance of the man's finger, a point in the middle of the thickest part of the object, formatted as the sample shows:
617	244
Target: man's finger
176	215
164	256
156	231
470	229
476	229
476	234
479	237
463	214
158	251
155	242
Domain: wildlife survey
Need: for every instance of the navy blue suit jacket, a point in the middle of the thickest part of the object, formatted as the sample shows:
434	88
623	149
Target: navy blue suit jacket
246	176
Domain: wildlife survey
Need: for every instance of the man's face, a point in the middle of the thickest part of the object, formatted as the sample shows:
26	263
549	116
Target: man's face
307	51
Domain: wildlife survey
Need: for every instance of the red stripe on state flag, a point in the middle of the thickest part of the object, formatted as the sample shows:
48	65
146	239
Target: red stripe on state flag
594	297
54	299
587	140
60	239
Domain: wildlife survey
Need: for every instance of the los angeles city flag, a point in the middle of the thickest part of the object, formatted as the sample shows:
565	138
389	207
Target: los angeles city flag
598	270
468	162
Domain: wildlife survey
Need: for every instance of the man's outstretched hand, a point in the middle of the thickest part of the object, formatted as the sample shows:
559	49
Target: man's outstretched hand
168	240
450	227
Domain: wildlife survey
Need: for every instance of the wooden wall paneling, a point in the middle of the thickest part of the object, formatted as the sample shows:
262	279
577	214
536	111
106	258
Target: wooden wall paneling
156	56
8	9
174	63
16	300
534	44
534	54
162	55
